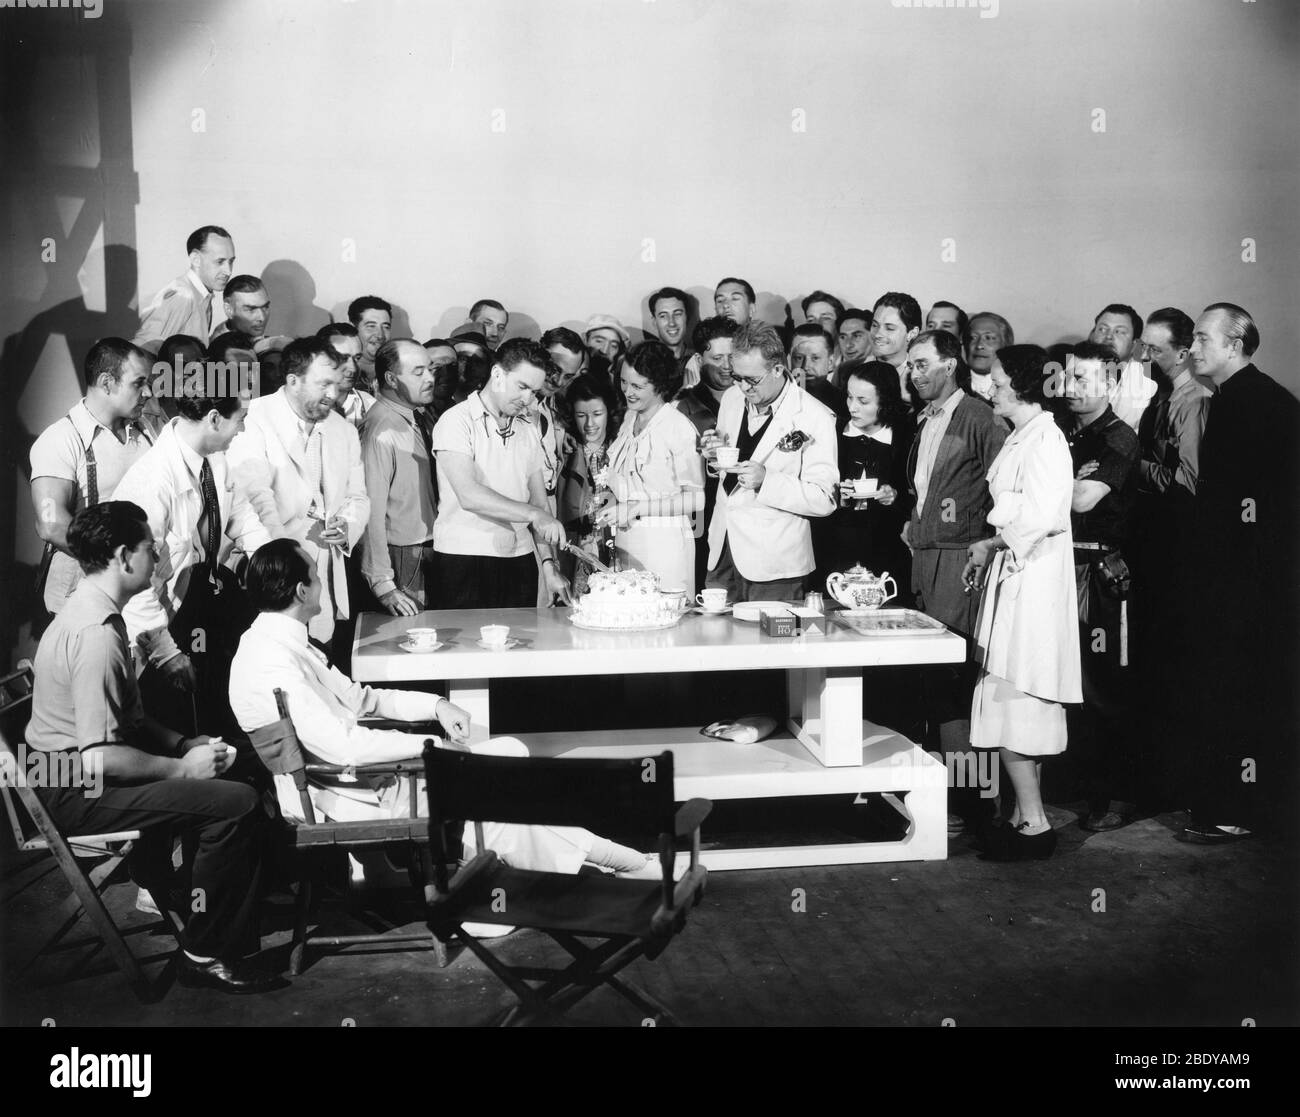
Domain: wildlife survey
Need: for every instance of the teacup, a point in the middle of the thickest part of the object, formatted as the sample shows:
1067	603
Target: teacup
674	597
422	637
712	600
727	456
494	635
864	487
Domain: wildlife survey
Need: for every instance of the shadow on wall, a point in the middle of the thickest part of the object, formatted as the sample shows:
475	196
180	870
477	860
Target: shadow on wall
61	292
292	292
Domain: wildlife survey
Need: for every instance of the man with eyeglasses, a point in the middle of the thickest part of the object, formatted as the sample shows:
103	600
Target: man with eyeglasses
493	528
760	539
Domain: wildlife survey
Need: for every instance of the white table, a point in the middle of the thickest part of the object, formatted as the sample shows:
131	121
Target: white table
825	749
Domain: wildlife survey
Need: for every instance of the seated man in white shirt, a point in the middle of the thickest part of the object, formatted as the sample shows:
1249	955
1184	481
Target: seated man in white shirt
326	708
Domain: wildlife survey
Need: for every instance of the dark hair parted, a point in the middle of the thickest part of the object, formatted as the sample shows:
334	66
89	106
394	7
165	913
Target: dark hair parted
98	531
198	239
242	285
946	345
909	310
274	574
482	304
654	361
882	376
336	329
1240	326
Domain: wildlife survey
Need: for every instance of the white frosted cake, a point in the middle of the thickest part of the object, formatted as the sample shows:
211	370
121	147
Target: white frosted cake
626	599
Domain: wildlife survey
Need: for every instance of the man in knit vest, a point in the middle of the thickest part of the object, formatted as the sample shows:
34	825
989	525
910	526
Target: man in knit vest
956	442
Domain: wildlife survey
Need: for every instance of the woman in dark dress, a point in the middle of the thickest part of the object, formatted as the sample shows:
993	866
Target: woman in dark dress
867	528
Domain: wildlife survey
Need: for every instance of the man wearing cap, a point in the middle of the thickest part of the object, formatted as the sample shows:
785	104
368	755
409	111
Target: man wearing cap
607	336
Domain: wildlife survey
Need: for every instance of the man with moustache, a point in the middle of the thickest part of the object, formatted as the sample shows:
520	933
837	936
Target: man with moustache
494	529
397	559
186	304
989	332
956	441
372	318
78	460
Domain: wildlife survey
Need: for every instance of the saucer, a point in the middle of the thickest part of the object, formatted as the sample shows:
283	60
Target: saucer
407	646
703	612
509	643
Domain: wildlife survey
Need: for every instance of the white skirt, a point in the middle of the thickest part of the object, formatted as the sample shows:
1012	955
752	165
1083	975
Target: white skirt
1003	717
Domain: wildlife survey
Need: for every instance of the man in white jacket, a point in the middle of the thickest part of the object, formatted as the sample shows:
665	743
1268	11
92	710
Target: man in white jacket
327	707
760	540
300	463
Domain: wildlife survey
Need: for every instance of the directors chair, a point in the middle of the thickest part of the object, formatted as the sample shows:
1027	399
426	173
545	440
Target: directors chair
628	918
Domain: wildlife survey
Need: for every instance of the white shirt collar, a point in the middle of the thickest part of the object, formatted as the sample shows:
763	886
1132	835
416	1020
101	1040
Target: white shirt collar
754	413
197	283
884	434
948	406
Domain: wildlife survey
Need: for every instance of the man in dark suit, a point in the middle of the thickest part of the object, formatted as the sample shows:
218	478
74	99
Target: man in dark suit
1242	698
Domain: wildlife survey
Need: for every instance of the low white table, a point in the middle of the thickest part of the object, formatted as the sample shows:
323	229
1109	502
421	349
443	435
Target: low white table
826	749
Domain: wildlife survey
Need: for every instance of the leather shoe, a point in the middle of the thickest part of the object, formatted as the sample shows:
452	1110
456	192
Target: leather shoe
1100	823
239	977
1012	844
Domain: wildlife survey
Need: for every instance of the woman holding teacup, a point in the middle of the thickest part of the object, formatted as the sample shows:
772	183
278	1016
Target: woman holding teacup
590	405
1026	638
874	504
656	474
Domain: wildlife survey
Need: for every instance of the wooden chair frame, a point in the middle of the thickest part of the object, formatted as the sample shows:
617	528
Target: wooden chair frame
23	805
279	748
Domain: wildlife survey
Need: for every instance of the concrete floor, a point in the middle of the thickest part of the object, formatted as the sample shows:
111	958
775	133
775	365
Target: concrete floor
1127	928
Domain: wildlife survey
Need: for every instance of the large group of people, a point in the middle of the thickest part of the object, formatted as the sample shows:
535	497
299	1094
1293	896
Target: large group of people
1109	523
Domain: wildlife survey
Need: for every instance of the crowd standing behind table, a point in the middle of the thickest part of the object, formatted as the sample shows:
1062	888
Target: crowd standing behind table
480	463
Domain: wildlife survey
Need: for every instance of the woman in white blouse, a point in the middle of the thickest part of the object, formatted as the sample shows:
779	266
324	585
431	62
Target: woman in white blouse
1026	640
656	474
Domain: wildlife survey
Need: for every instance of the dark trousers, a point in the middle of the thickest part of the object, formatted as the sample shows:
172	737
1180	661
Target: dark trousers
480	582
739	588
221	820
207	628
1102	732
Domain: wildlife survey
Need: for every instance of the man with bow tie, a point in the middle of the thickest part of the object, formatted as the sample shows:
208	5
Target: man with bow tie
300	463
760	539
188	304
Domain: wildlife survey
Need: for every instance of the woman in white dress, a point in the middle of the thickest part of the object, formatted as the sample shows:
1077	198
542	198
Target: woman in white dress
656	474
1026	639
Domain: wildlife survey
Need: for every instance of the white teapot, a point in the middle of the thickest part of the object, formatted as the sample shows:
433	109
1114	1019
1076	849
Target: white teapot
858	589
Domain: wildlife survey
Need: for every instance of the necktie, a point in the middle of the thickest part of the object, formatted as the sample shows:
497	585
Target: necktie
425	424
212	517
207	316
315	469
